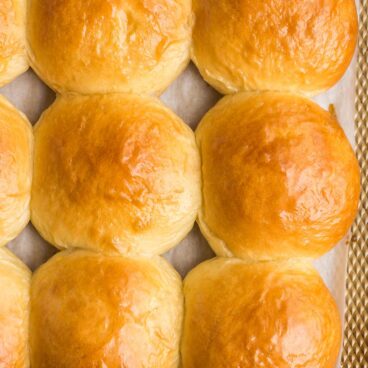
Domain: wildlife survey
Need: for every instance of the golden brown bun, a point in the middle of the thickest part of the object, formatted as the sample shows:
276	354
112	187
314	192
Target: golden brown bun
248	45
258	315
16	146
279	176
13	58
95	310
116	173
109	46
15	279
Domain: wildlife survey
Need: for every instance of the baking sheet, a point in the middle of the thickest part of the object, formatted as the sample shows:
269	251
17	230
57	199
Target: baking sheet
355	353
190	97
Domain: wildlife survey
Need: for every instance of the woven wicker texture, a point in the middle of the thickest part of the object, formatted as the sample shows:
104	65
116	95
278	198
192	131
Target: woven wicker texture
355	350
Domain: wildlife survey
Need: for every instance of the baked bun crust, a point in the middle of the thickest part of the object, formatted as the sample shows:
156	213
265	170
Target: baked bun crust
280	178
297	46
95	310
16	146
15	279
109	46
13	56
115	173
276	314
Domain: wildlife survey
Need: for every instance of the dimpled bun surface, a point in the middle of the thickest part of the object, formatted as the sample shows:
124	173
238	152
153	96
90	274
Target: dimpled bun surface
13	58
248	45
95	310
279	176
271	315
15	279
109	46
115	173
16	146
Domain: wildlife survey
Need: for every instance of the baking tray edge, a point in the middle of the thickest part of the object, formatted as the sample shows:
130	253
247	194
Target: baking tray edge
355	347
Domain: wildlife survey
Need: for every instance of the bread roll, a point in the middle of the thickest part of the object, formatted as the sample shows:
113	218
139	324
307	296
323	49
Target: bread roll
279	176
293	45
13	58
115	173
95	310
16	146
277	314
109	46
15	281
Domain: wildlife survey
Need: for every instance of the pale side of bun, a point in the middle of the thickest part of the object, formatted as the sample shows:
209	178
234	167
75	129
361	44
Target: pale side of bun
296	46
115	173
271	315
16	150
109	46
13	56
15	279
94	310
280	178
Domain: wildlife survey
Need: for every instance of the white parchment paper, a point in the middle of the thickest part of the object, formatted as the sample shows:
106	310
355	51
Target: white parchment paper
190	97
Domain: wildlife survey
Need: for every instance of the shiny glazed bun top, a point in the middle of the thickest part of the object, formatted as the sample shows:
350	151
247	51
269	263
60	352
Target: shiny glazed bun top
115	173
280	178
13	58
16	146
271	315
93	310
15	279
109	46
249	45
